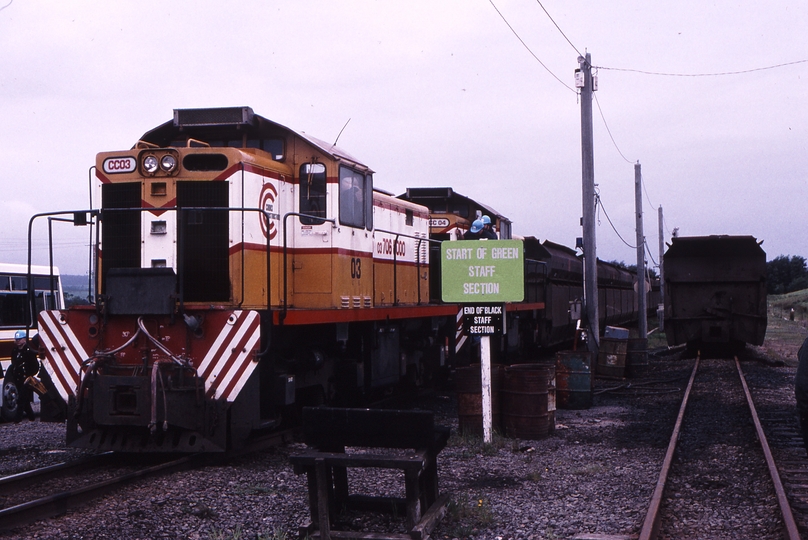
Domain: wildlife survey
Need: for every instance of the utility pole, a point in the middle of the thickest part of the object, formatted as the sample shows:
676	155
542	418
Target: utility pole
588	221
642	297
661	263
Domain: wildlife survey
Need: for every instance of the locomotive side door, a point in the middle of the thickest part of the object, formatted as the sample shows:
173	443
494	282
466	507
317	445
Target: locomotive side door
353	253
311	248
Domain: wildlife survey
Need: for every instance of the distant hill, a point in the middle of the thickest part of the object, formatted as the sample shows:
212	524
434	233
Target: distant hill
74	285
782	304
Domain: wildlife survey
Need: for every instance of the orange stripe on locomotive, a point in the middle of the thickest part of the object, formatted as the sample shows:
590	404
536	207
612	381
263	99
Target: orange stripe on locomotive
342	260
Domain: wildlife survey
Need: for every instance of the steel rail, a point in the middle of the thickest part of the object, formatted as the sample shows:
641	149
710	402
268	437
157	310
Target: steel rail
650	527
60	503
788	517
13	482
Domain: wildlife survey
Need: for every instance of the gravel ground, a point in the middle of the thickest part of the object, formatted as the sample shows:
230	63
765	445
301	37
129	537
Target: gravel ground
594	475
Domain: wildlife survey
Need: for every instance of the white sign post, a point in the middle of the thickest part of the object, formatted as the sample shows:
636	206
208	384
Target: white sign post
485	375
475	272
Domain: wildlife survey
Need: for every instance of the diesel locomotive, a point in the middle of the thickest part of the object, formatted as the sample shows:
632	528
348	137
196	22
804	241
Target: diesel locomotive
244	270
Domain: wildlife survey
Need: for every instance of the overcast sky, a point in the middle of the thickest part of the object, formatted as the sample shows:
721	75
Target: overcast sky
438	93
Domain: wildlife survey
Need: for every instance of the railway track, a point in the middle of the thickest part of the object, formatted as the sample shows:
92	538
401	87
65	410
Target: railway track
719	453
53	490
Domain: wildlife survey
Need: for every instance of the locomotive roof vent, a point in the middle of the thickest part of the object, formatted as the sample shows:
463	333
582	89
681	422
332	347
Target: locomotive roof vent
222	116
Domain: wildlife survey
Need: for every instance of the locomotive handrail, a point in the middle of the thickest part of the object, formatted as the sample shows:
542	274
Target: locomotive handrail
395	260
97	213
51	216
333	223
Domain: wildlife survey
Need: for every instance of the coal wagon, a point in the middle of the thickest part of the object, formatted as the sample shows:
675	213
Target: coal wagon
715	291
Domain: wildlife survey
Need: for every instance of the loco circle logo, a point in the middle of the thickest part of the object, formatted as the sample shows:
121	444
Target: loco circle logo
123	164
267	204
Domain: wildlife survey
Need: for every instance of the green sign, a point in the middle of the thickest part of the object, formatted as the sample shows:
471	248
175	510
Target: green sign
482	271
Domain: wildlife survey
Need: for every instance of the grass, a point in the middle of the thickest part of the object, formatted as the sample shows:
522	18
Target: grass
473	445
780	305
469	517
217	534
784	335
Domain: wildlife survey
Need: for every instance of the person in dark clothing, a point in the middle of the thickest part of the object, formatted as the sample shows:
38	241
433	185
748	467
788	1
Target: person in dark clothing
801	390
24	364
475	233
488	229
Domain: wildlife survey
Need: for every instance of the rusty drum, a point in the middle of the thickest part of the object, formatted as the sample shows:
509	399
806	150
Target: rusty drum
470	399
612	358
637	357
528	401
574	379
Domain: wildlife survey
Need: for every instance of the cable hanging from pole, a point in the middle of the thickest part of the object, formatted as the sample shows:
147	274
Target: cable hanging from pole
599	203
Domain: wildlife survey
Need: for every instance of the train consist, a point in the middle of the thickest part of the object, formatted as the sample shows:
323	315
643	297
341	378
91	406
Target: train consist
715	291
245	270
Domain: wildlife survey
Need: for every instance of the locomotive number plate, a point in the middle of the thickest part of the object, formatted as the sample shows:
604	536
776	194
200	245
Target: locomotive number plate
122	164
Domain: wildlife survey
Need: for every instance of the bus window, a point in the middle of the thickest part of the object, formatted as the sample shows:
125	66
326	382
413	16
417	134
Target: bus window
12	309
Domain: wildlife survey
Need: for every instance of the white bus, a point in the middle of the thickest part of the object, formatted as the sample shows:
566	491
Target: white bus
15	311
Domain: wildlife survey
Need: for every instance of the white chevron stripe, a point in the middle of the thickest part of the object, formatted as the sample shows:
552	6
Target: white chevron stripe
60	356
226	341
243	357
218	380
209	357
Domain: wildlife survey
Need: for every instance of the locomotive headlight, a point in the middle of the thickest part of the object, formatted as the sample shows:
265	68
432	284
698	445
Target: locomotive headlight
150	164
168	163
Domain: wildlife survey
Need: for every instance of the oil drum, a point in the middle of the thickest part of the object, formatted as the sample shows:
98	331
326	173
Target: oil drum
470	399
612	358
528	401
637	357
574	379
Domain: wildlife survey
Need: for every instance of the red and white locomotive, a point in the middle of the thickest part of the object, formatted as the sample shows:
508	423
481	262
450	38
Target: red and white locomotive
243	270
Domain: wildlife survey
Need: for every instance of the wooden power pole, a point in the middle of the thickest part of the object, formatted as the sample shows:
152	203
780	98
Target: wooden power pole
588	221
661	264
642	297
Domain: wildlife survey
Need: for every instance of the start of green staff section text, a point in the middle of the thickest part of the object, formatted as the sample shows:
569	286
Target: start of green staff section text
477	271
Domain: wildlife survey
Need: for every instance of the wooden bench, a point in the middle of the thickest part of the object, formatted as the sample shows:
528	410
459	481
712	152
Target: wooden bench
391	439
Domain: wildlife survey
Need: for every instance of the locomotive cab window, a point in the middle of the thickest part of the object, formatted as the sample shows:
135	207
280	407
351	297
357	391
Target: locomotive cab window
355	199
271	146
312	192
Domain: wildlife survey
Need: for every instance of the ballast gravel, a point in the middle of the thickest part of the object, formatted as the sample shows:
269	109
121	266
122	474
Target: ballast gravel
593	475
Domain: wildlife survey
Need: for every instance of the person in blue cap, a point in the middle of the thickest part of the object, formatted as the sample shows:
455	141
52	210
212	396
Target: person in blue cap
475	233
488	229
24	364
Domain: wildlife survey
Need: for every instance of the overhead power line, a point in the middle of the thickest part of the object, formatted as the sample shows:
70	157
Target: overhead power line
718	74
599	203
648	252
559	28
528	48
609	131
